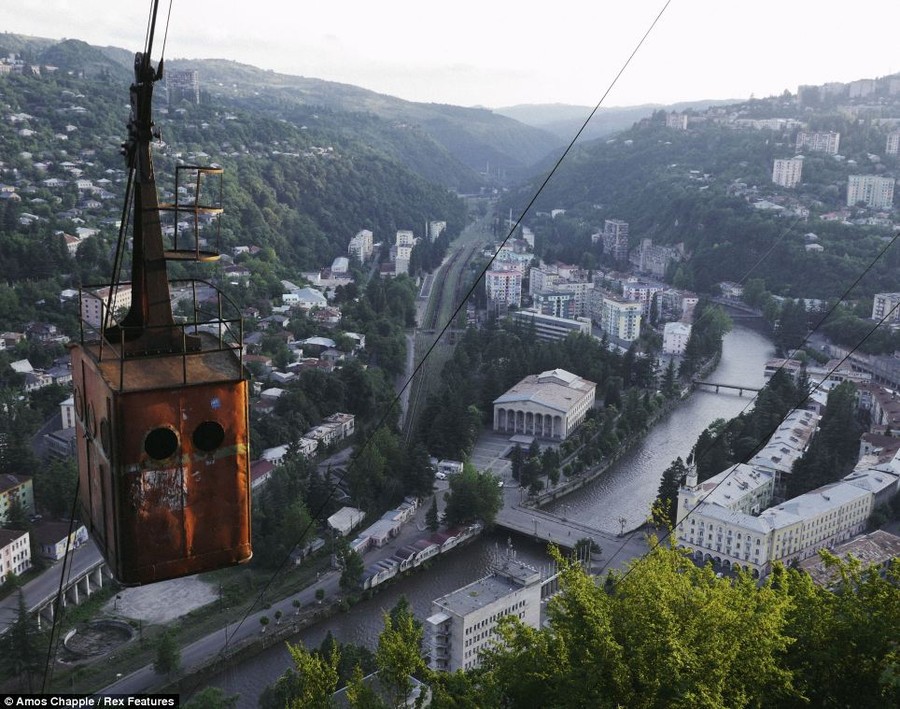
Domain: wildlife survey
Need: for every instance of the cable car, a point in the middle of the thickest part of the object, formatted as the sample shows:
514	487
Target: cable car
161	401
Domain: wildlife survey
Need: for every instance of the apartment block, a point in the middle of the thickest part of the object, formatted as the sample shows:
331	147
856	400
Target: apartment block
819	141
876	192
787	172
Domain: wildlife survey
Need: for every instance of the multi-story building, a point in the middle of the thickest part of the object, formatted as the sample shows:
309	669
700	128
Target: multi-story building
580	290
886	306
15	488
15	553
94	304
556	303
361	245
723	520
463	622
550	327
893	143
615	239
876	192
541	279
621	319
819	141
182	86
547	405
675	337
641	292
503	287
678	121
862	88
435	229
655	260
786	172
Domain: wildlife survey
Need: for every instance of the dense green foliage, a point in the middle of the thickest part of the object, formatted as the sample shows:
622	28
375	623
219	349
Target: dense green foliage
482	368
473	496
834	449
711	324
665	633
693	187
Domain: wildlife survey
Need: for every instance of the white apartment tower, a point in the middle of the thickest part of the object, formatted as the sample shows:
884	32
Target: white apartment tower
463	622
893	143
876	192
886	306
361	245
786	172
503	287
819	141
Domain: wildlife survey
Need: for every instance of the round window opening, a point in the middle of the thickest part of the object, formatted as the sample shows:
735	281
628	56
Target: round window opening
208	436
161	443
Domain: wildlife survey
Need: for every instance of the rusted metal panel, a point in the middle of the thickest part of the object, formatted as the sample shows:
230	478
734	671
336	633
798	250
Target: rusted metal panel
165	469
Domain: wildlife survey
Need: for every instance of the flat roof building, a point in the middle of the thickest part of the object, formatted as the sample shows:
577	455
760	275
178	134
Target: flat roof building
547	405
463	622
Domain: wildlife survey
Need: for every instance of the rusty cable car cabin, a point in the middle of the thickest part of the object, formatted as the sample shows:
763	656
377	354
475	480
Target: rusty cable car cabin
161	402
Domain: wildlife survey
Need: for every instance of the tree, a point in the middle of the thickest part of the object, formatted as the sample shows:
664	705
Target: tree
399	654
431	517
24	648
212	698
352	567
168	654
667	495
315	679
473	495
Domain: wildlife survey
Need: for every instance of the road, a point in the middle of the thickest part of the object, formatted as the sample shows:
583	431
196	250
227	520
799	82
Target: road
41	589
202	651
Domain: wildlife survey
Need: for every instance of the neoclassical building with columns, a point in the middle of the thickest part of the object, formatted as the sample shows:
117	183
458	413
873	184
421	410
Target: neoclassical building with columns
546	405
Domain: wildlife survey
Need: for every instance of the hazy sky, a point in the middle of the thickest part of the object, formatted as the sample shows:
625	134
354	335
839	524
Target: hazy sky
503	53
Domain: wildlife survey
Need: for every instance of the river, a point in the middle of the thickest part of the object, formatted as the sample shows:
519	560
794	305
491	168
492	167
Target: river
626	491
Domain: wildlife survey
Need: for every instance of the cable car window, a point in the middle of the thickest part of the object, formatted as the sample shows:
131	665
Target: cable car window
208	436
161	443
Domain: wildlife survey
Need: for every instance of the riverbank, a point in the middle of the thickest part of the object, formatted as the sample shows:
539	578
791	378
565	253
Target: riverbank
570	485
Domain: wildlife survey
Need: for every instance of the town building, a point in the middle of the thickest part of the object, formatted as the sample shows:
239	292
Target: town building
787	172
550	327
655	260
435	229
876	549
892	146
361	246
723	519
55	538
819	141
886	306
15	488
547	405
182	86
94	304
402	251
615	239
641	292
503	287
678	121
15	553
463	622
675	337
621	319
558	304
877	192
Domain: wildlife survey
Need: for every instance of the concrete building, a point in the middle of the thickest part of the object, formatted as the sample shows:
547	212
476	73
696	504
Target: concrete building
558	304
361	246
503	287
876	549
892	147
886	306
621	319
678	121
787	172
641	292
435	229
615	239
15	553
876	192
15	488
54	538
94	304
549	327
463	622
720	520
182	86
675	337
547	405
819	141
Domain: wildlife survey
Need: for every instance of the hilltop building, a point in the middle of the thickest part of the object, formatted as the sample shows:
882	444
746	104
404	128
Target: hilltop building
361	246
876	192
787	172
819	141
463	622
547	405
94	303
182	86
887	306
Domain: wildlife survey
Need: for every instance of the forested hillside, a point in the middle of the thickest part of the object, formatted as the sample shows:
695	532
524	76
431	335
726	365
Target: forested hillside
710	188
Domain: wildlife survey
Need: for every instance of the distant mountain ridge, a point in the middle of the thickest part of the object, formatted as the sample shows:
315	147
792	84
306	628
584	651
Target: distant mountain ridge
564	120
